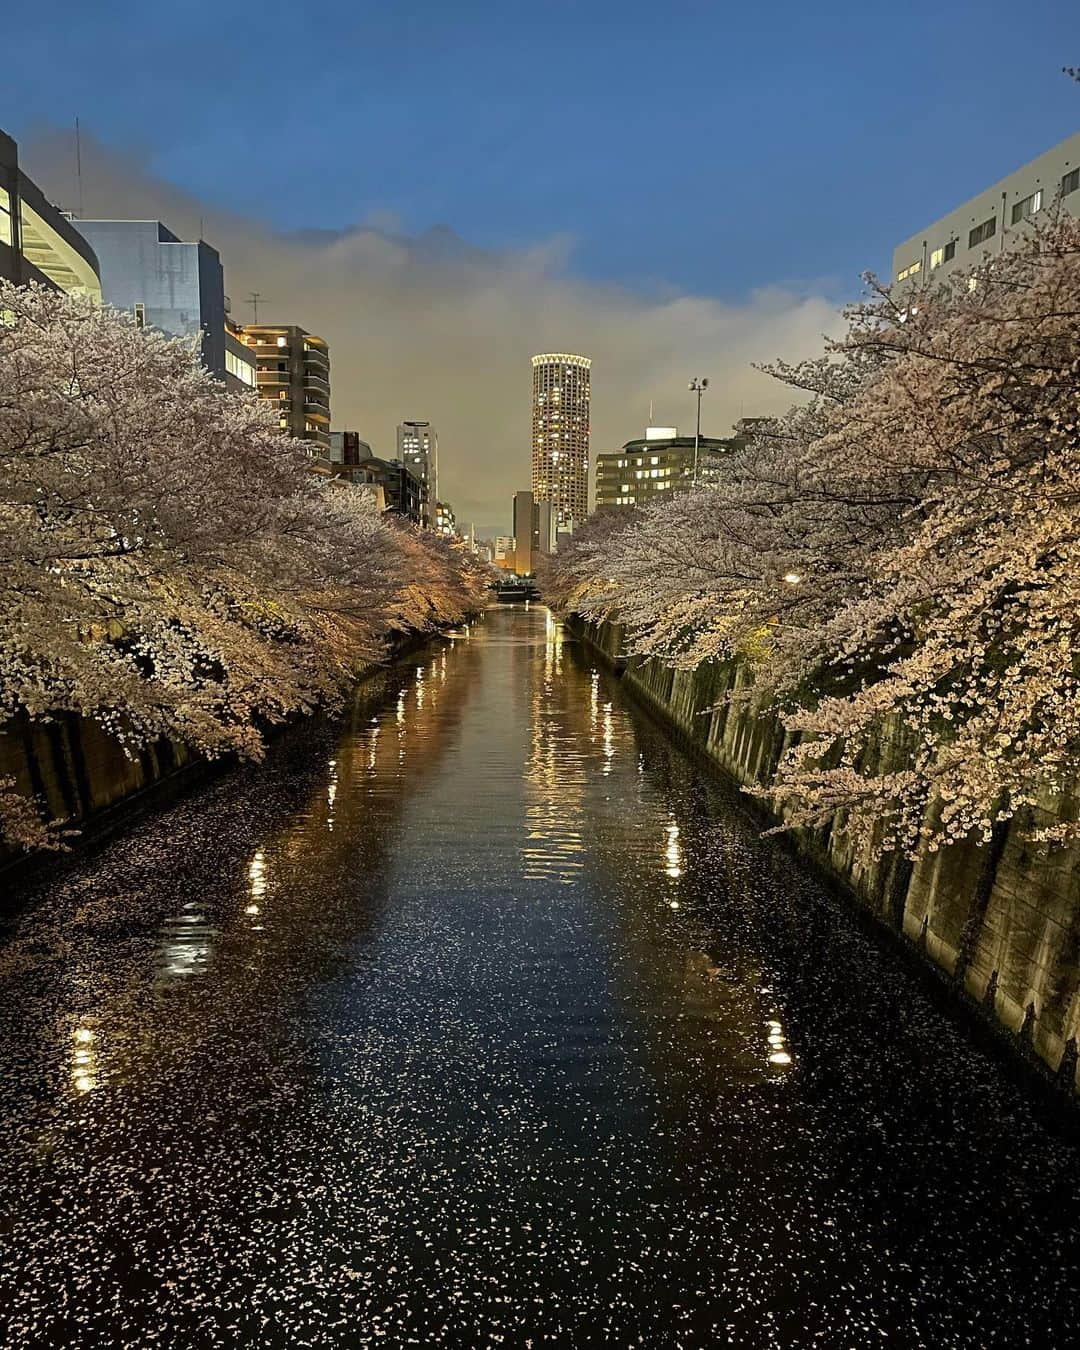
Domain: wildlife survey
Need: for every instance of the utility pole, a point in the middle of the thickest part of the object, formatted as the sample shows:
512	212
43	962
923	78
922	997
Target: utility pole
698	387
78	165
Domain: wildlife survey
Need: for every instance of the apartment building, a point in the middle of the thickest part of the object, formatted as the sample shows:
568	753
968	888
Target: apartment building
293	373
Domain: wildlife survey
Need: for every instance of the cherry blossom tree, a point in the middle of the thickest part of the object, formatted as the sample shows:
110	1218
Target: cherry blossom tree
896	559
169	565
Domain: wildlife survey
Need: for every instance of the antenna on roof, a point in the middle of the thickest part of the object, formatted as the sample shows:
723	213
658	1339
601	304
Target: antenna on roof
254	299
78	164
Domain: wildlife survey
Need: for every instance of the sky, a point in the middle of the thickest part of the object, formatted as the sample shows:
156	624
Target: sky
442	189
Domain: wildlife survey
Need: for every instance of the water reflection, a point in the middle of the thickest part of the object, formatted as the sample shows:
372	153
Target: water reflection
486	1019
84	1060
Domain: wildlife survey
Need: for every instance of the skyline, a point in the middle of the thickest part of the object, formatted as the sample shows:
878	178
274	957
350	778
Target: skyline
419	232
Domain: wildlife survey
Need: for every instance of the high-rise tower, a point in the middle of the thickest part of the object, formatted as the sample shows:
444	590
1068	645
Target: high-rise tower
562	386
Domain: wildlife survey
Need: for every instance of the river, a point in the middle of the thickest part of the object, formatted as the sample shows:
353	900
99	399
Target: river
487	1018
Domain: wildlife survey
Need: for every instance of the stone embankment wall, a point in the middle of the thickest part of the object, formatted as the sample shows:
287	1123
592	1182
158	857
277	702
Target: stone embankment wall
1002	921
78	771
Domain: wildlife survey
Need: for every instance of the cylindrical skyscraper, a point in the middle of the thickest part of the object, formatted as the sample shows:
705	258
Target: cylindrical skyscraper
562	387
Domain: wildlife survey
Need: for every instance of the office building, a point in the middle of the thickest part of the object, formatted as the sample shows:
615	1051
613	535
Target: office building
989	222
418	450
293	372
561	395
534	532
659	463
37	241
174	286
523	533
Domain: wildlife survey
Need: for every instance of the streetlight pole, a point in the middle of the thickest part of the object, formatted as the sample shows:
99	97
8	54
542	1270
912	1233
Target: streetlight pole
698	387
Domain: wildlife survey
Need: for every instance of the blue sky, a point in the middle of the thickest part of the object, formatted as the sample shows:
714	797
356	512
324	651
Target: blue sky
711	148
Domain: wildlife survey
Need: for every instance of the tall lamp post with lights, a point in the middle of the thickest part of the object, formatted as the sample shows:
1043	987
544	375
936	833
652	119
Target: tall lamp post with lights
698	387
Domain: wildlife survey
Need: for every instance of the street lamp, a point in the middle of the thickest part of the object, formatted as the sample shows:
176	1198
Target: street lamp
698	387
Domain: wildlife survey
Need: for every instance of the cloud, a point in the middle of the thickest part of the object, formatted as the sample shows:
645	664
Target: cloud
430	326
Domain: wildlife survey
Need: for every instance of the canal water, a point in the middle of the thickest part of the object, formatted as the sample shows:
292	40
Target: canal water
488	1019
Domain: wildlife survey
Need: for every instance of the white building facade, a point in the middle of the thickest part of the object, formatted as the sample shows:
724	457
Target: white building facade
986	224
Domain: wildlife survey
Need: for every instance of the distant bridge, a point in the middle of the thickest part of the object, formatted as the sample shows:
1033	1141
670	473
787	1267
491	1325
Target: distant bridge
513	589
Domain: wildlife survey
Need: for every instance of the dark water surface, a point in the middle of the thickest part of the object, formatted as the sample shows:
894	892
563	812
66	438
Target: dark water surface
489	1020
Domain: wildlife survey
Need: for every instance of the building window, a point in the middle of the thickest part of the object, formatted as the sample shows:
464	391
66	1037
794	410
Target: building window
1070	182
5	217
1027	207
282	342
982	232
140	315
243	370
908	271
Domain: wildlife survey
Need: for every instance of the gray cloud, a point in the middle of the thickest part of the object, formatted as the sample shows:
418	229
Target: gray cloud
431	327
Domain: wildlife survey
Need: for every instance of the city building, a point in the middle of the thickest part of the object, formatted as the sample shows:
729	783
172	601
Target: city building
37	241
418	450
523	533
561	395
174	286
990	222
445	520
394	487
293	372
660	462
533	532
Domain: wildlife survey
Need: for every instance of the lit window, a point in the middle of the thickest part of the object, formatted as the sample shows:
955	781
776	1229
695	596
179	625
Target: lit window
282	342
241	369
5	217
915	267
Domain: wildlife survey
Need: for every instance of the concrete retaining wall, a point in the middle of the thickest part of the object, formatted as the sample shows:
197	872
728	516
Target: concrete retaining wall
1003	921
78	771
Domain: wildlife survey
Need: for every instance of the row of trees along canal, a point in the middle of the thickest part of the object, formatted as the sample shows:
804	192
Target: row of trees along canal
170	567
894	564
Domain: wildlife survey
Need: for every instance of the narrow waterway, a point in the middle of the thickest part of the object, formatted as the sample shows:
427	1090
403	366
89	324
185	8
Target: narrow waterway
489	1019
